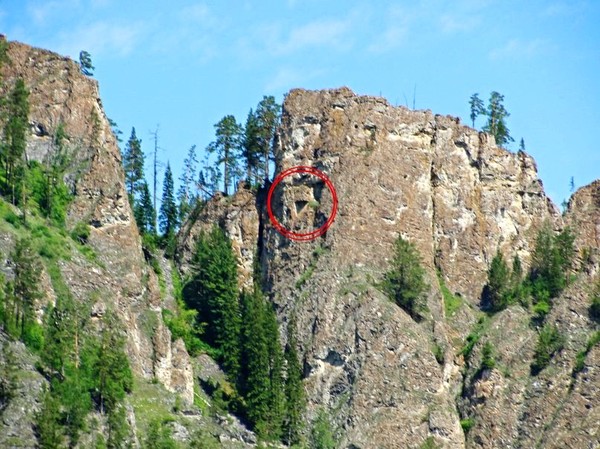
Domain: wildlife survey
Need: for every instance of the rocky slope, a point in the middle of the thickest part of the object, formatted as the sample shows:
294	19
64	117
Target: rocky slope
384	380
459	198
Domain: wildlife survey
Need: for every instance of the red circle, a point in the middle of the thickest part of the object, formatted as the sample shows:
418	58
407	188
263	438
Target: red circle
300	237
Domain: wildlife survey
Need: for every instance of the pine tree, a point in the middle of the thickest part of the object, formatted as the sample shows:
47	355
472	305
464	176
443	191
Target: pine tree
496	124
213	291
477	107
26	290
168	217
276	403
133	164
188	192
251	148
85	62
113	377
295	398
255	361
522	145
497	288
15	138
145	215
267	115
48	426
405	281
227	147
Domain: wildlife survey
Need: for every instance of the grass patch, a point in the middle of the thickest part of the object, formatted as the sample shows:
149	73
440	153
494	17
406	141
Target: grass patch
151	402
582	355
467	424
474	337
451	302
429	443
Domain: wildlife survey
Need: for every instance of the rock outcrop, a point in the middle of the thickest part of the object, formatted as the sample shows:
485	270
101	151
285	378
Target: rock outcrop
121	280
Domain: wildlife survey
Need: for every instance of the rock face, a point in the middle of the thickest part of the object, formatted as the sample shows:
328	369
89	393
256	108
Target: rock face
121	281
459	198
443	186
238	216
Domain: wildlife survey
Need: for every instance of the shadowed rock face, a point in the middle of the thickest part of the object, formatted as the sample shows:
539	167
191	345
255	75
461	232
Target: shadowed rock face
122	281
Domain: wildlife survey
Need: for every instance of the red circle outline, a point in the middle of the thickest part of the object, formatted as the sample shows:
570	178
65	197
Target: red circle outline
296	236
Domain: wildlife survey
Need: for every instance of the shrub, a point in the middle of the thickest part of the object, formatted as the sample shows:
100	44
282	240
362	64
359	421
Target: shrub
595	305
550	342
496	293
405	282
467	424
487	358
81	232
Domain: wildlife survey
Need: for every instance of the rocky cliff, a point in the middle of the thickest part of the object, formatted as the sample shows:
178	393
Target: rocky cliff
459	198
383	379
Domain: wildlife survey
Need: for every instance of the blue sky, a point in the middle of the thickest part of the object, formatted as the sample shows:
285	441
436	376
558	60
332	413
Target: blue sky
185	64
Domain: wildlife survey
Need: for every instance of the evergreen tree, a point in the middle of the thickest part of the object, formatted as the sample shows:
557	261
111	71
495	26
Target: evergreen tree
550	342
227	146
322	433
133	164
496	124
477	107
295	398
113	377
405	281
251	148
15	138
188	192
267	116
168	217
26	290
213	291
522	145
159	436
276	401
498	285
85	62
48	426
118	429
145	215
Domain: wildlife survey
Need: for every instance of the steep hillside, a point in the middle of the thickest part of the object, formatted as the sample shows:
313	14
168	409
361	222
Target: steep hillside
384	379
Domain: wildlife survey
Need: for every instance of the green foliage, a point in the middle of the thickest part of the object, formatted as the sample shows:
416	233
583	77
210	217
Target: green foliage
467	424
252	148
16	127
85	62
496	293
81	232
159	436
295	397
204	440
429	443
188	191
594	309
322	435
496	124
48	427
168	217
184	324
118	429
261	381
550	341
227	145
438	353
451	302
213	292
477	107
405	282
26	292
582	355
267	118
487	357
113	378
551	263
143	211
133	164
473	338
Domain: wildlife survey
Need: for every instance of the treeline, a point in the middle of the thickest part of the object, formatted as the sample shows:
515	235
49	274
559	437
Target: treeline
237	152
240	331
